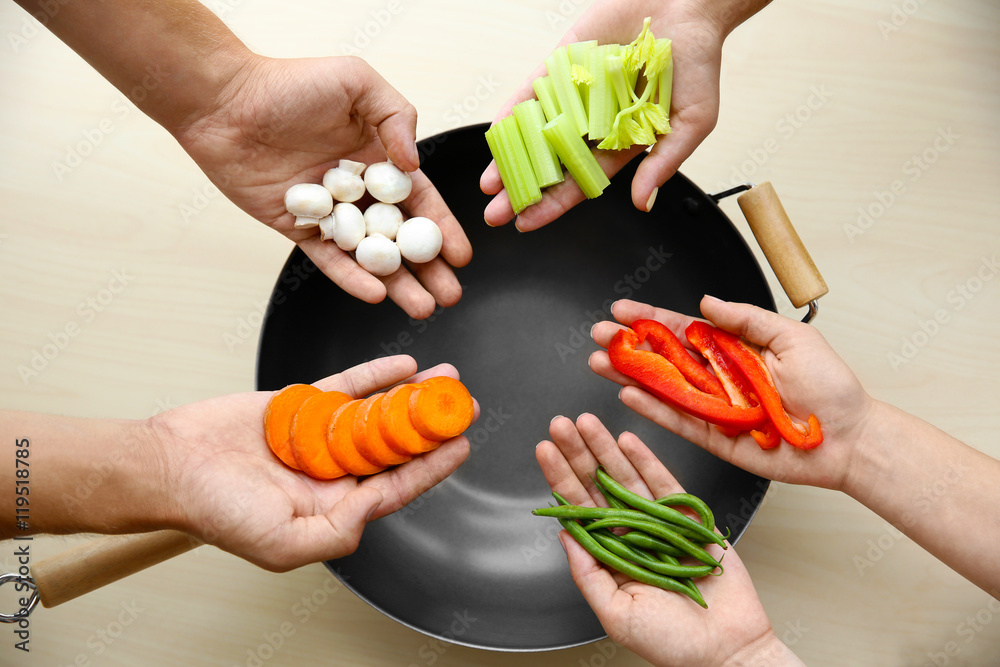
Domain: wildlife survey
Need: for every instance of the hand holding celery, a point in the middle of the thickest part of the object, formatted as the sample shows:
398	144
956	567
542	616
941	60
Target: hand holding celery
616	95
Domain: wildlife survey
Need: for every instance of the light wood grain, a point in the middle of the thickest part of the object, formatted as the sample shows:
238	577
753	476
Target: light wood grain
781	245
861	104
103	561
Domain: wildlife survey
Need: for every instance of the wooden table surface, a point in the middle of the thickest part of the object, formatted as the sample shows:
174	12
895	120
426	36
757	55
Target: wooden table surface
876	121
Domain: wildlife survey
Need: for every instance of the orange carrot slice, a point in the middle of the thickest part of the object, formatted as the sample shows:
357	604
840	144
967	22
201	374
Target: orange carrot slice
308	437
368	438
340	441
441	408
395	425
278	417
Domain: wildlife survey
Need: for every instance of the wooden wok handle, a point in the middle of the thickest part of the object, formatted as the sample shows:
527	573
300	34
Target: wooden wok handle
782	246
105	560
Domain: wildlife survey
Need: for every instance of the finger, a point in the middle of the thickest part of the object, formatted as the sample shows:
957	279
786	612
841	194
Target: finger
332	535
434	371
579	458
604	332
757	325
600	363
490	182
655	475
627	312
382	106
426	201
691	126
595	582
439	280
370	376
609	454
559	473
686	426
406	291
341	268
402	484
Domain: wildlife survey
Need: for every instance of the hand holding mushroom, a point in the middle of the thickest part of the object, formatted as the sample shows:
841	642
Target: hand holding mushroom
288	133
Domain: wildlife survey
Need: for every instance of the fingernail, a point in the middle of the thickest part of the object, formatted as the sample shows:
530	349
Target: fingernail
416	154
561	542
517	224
592	329
555	418
652	199
712	298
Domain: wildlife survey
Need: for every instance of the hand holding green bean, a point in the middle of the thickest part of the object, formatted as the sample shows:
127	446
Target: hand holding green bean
659	625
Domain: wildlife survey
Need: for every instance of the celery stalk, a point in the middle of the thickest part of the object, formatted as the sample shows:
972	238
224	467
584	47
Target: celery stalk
546	95
576	155
579	57
603	104
631	77
544	161
503	163
561	74
666	82
616	73
525	188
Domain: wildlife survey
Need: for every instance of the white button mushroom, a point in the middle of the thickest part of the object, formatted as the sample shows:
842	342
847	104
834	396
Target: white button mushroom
383	219
419	240
350	226
308	200
387	182
326	227
344	181
378	255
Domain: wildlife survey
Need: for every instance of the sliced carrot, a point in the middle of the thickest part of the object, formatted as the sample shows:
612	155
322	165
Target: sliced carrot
368	438
441	408
395	425
309	430
278	417
340	441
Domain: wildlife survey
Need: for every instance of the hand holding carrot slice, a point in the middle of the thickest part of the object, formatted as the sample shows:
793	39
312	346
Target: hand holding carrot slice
329	434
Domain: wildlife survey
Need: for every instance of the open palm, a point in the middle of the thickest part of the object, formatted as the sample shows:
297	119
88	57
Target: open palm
229	489
285	121
663	627
808	374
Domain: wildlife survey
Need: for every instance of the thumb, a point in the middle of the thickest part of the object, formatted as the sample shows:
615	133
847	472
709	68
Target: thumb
382	106
757	325
347	520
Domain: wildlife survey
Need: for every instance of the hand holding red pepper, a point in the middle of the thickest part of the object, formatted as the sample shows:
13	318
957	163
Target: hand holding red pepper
806	373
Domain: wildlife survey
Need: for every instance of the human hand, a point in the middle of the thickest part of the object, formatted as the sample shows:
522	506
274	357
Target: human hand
227	488
697	53
282	122
808	374
663	627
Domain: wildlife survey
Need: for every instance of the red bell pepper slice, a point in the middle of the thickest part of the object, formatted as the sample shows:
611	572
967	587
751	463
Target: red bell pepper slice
666	344
700	335
753	369
663	379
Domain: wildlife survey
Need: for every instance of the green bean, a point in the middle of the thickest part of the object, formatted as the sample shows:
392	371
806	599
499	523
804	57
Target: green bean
695	503
608	541
663	533
612	501
642	540
578	512
638	573
654	509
